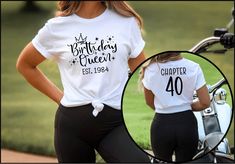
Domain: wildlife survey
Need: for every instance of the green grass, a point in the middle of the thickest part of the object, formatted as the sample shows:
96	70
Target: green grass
27	116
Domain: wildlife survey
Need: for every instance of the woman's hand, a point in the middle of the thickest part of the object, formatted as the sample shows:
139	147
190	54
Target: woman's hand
27	64
203	99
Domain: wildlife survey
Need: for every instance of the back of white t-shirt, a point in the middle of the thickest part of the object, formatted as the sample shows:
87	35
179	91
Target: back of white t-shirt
92	55
173	84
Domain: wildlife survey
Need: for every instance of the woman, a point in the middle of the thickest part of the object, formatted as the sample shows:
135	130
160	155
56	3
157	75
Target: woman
169	83
92	43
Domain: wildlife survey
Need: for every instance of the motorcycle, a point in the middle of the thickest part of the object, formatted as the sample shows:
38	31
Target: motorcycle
213	124
214	121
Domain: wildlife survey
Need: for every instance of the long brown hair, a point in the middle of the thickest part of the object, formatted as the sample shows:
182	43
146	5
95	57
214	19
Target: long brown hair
66	8
161	58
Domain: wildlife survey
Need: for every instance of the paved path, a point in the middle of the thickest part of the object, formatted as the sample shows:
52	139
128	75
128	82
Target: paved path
9	156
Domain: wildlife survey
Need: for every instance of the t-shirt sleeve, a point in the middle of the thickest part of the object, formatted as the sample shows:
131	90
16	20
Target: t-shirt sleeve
136	41
43	41
200	79
146	79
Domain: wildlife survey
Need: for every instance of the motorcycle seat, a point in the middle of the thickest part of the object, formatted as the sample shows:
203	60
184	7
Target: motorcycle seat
212	139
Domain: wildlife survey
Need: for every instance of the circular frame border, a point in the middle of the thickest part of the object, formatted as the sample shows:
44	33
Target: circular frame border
232	108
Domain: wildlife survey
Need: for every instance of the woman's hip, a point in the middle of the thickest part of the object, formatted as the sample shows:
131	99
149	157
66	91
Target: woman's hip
79	121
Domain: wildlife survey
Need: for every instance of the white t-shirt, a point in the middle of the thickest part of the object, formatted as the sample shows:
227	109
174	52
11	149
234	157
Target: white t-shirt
92	55
173	84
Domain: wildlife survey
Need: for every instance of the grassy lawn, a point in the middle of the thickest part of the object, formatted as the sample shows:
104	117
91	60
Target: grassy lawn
27	116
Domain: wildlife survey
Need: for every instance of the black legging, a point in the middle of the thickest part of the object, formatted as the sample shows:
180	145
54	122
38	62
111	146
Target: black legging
176	132
78	133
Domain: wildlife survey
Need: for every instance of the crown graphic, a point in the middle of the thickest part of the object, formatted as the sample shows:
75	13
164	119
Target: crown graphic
81	39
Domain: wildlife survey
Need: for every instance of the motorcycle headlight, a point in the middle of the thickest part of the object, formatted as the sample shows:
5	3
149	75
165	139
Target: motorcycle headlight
220	96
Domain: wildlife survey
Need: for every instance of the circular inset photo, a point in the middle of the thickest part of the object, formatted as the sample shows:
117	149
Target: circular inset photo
177	107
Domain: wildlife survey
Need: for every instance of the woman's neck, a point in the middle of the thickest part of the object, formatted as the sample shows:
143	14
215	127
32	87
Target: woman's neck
90	9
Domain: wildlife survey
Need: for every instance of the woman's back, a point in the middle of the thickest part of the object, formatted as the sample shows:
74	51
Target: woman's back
173	84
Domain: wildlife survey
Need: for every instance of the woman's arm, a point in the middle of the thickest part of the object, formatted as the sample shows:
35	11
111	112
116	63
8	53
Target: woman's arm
135	62
149	98
27	64
203	99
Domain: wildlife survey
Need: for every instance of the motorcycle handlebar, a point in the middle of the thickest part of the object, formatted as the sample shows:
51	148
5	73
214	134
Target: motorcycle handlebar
205	43
227	40
217	85
214	87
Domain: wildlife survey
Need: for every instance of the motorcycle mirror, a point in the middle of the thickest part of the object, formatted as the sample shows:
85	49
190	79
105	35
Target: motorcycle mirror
220	96
232	21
